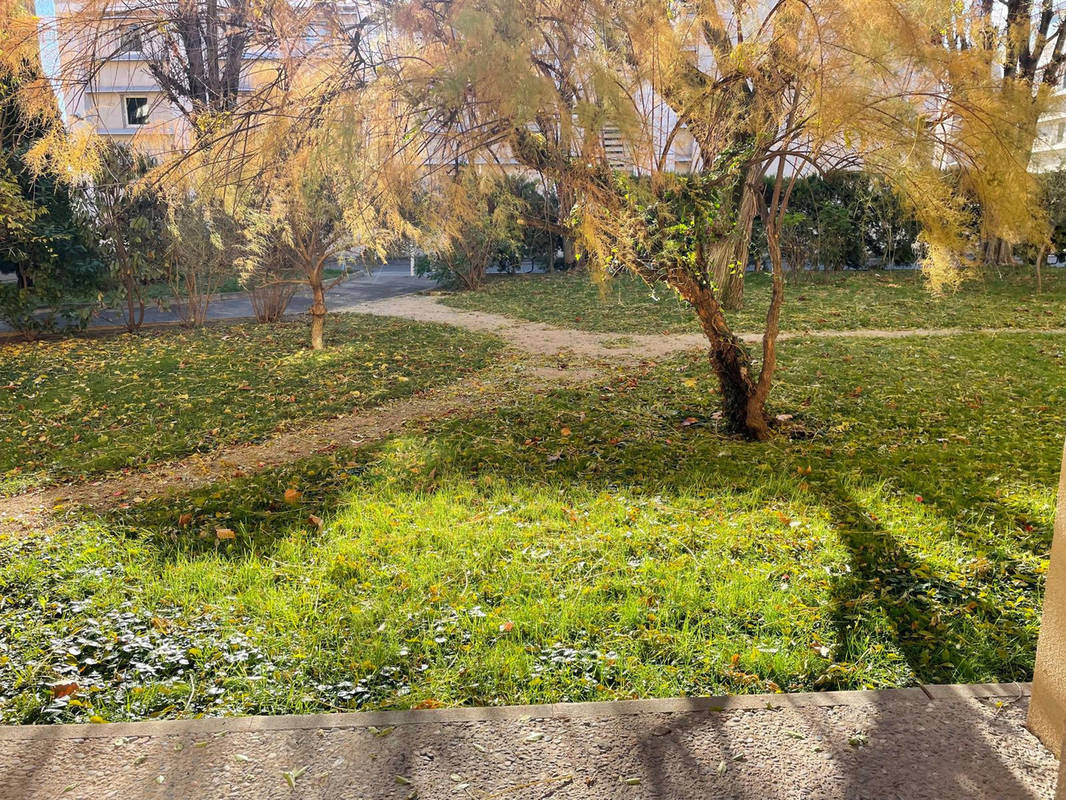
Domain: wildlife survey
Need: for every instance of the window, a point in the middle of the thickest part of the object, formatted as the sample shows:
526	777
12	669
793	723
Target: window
1061	133
136	110
130	39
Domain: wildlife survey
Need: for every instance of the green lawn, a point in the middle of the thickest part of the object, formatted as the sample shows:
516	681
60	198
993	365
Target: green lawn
837	301
78	407
596	543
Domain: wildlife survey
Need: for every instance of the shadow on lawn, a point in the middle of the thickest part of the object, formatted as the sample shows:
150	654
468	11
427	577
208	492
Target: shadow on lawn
891	596
888	597
258	510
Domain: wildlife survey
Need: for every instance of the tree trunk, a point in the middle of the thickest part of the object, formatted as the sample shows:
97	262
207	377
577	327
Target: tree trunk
729	258
728	275
1039	265
997	252
569	253
742	407
134	304
318	310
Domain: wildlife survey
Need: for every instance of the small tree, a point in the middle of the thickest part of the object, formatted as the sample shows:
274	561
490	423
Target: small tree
465	222
131	224
304	199
203	241
266	267
44	240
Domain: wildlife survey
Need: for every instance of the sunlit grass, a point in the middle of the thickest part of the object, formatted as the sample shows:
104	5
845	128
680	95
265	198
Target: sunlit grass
895	299
593	543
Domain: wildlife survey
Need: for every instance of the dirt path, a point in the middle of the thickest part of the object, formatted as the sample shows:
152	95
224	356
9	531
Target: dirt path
484	392
538	338
592	354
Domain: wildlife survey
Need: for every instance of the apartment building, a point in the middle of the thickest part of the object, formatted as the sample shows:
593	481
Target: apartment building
123	101
1049	150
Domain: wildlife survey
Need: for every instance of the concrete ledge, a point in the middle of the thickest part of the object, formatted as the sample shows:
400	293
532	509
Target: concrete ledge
360	719
955	691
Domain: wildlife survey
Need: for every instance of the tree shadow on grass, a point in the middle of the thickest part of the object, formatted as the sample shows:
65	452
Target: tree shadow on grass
888	597
892	597
889	607
249	515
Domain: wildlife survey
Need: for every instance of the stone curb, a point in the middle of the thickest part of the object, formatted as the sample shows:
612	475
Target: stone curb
924	694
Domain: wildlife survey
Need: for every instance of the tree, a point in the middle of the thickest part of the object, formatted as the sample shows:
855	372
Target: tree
765	90
1024	42
256	85
305	198
198	52
465	221
202	244
266	266
44	239
325	180
131	225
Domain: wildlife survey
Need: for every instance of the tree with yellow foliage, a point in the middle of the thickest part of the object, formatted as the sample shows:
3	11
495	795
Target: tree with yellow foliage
767	91
289	129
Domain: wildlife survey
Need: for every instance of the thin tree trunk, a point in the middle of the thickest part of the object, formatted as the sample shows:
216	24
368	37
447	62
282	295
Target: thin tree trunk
130	326
743	413
129	283
318	309
729	259
569	253
757	402
1039	265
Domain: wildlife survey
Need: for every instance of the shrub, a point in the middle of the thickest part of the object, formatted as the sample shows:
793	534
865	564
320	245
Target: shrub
465	223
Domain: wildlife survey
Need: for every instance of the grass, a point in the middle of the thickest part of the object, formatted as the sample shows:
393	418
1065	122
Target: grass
894	299
79	407
597	543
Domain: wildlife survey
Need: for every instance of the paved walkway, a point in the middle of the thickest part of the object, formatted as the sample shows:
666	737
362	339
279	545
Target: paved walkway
931	743
389	280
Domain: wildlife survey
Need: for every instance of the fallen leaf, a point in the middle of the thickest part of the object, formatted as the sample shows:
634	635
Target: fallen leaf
292	775
185	520
316	521
224	533
64	689
292	496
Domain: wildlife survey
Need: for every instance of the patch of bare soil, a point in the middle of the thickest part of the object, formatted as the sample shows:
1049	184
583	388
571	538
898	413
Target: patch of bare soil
535	338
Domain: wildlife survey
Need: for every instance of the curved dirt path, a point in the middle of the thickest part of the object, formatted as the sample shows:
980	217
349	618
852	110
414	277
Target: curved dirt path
487	391
541	339
593	353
